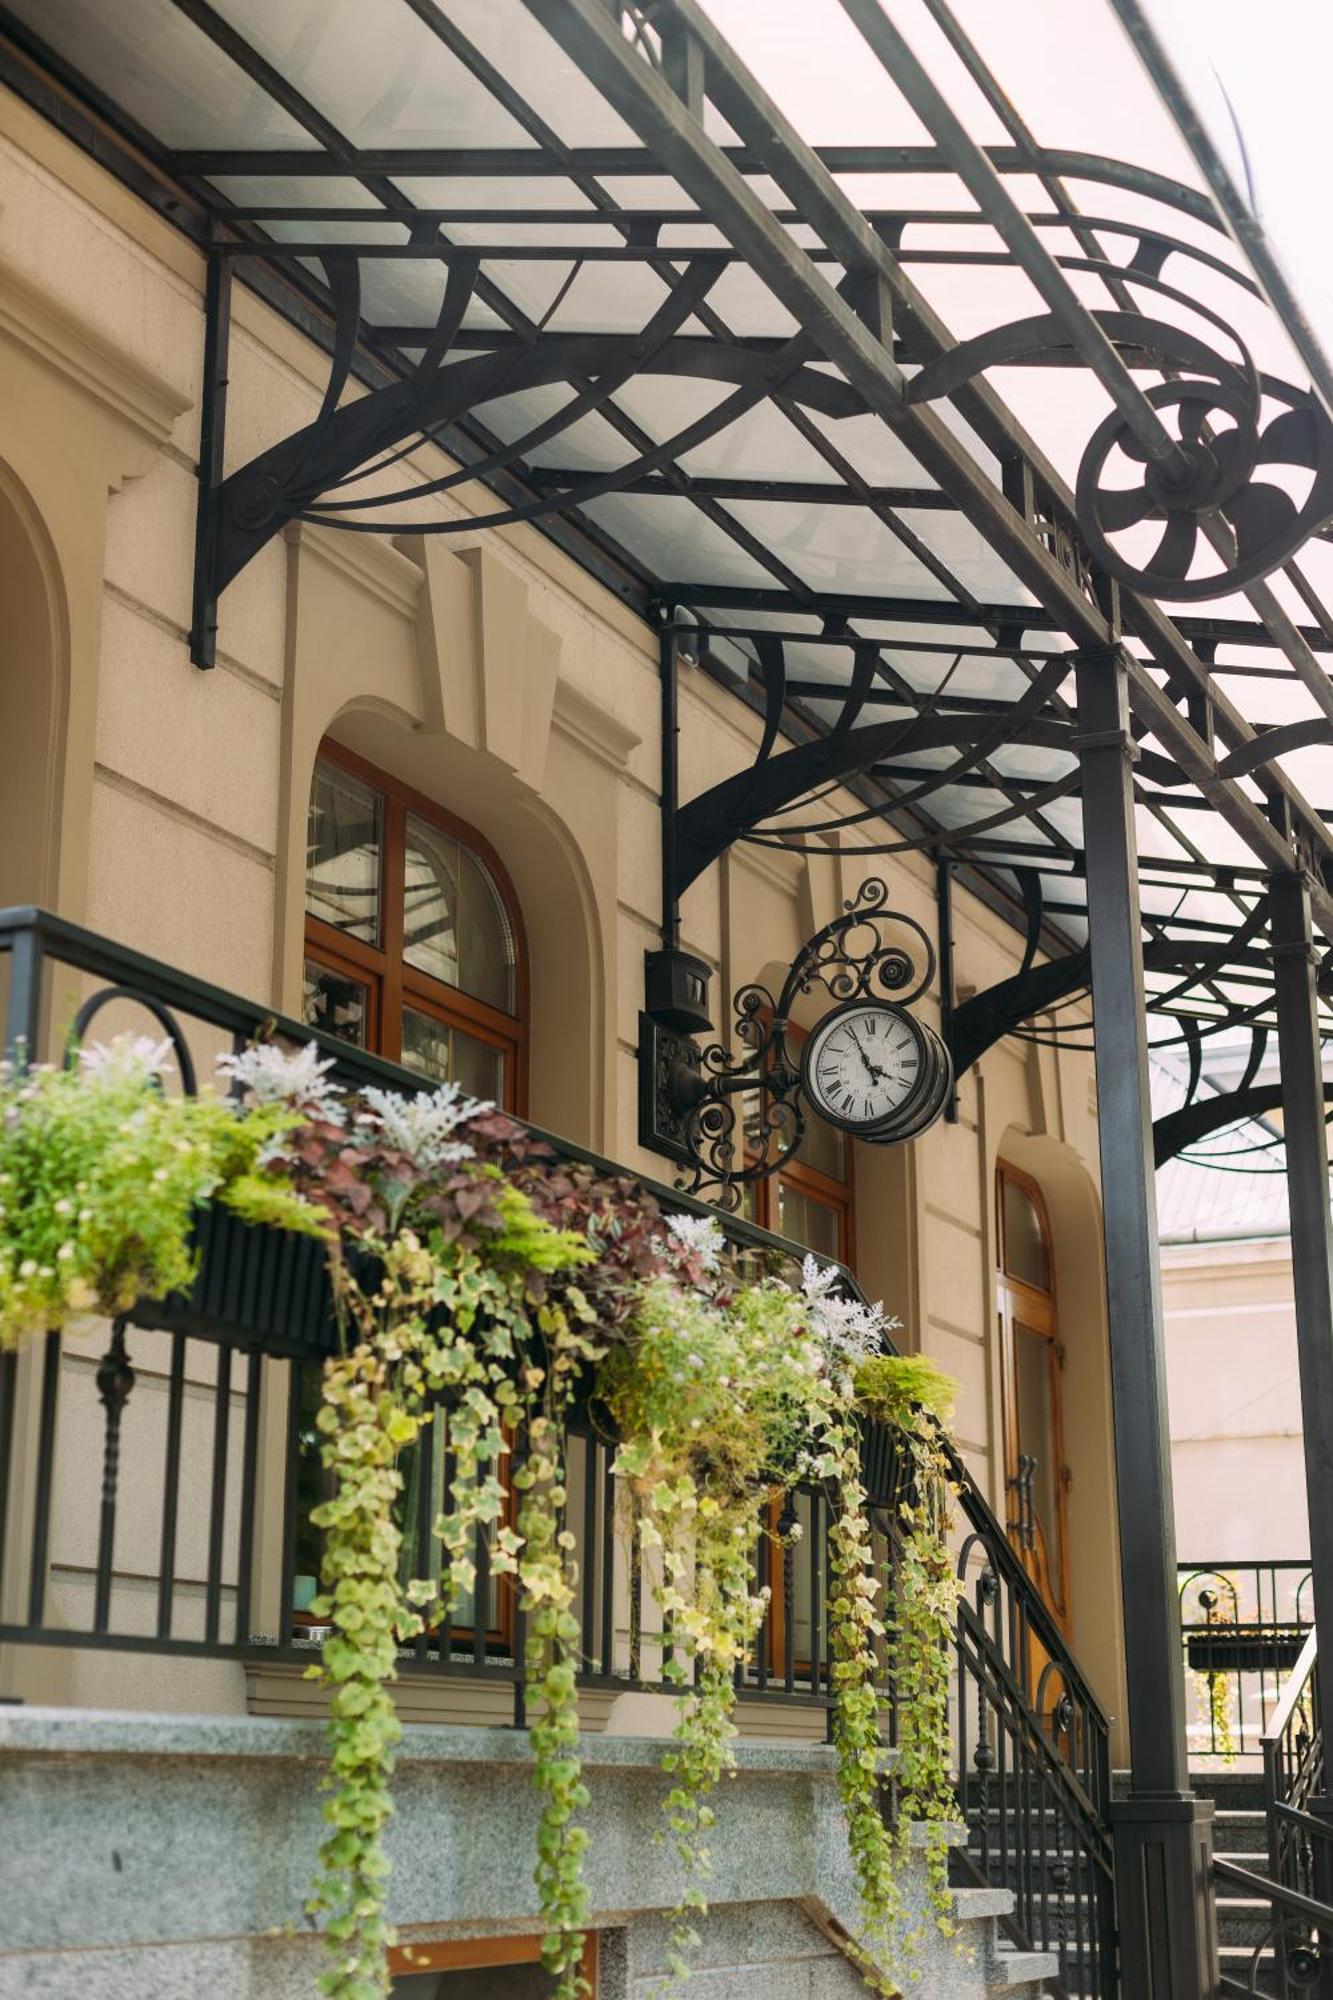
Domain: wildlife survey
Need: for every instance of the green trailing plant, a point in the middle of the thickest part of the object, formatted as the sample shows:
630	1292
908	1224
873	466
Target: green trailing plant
725	1396
1214	1701
914	1399
102	1173
470	1270
447	1282
477	1275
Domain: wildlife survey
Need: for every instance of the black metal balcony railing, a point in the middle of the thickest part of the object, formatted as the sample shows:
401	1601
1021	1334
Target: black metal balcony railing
157	1500
1242	1626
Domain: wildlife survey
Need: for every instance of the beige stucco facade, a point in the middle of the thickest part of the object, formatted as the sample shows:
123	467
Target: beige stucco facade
1237	1452
166	807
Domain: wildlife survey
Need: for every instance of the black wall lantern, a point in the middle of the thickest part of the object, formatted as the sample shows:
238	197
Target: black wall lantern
868	1066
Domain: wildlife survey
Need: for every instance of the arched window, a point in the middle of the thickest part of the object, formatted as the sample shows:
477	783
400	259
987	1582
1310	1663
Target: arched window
413	941
812	1199
1032	1360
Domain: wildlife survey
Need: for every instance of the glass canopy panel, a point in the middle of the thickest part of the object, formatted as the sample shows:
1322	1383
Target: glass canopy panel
1083	91
532	284
968	554
877	453
973	677
590	444
376	70
839	548
493	191
676	541
648	191
762	444
157	66
748	308
300	191
813	62
610	298
537	69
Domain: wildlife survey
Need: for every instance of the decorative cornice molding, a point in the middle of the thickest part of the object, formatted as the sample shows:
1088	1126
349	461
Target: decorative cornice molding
580	716
775	865
370	561
86	356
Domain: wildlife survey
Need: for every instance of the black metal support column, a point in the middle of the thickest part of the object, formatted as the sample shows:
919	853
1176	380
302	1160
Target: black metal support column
212	433
670	721
675	999
1306	1139
944	916
1163	1835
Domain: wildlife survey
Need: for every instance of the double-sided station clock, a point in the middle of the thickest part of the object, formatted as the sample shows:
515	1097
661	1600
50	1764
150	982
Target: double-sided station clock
868	1066
876	1072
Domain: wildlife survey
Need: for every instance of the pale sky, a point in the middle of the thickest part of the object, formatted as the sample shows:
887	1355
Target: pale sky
1275	64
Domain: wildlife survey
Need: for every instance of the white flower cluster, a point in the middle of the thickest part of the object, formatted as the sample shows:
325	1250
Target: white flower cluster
128	1059
698	1236
297	1077
849	1330
421	1126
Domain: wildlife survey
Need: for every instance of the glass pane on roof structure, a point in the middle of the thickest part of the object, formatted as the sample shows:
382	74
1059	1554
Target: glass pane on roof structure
878	492
375	68
163	71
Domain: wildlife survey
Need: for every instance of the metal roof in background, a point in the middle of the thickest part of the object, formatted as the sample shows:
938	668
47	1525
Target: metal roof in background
897	352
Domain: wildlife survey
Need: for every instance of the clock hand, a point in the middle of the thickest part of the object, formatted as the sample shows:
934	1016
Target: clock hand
873	1070
870	1068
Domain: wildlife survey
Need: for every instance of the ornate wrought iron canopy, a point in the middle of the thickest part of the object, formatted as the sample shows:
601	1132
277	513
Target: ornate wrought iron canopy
882	399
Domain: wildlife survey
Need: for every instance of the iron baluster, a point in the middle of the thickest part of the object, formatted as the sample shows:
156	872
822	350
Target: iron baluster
115	1380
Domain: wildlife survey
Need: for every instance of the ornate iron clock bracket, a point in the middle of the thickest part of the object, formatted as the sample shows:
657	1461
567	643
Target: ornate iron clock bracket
730	1119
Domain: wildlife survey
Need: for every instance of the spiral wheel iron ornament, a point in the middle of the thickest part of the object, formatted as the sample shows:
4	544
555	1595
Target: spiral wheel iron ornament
1250	478
1224	449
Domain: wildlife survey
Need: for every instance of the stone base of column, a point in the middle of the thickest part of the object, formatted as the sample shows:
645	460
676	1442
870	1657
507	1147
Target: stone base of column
1164	1895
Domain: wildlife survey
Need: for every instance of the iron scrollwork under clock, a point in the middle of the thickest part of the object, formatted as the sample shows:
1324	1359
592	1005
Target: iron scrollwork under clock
731	1118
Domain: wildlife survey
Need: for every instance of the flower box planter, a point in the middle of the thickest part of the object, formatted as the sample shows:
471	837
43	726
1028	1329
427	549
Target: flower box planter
1245	1649
256	1287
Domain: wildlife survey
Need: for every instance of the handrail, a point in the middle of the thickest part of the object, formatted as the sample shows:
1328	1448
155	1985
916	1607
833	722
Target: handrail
1263	1889
999	1549
1297	1682
1079	1799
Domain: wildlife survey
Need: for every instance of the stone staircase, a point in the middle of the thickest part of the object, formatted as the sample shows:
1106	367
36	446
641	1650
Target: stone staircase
1240	1835
981	1961
1058	1883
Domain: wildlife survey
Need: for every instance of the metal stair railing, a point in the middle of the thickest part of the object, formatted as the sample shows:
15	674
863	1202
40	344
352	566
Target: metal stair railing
1295	1954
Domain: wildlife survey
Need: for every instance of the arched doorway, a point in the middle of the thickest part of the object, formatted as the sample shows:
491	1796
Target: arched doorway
29	706
1036	1475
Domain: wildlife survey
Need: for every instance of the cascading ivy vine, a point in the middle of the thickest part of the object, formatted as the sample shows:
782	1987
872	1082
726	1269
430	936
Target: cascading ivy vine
914	1400
477	1276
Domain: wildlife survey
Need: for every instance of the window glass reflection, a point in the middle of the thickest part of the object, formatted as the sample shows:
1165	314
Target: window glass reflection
806	1220
343	849
335	1004
455	926
450	1055
426	1046
823	1147
1024	1242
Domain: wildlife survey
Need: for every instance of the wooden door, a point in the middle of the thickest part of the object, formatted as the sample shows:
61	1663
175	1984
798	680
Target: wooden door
1032	1360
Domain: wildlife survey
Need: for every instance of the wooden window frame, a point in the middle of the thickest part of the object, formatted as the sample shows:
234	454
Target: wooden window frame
840	1196
1038	1311
477	1954
389	980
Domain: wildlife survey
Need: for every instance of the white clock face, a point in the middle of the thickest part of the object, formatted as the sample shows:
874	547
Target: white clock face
862	1064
